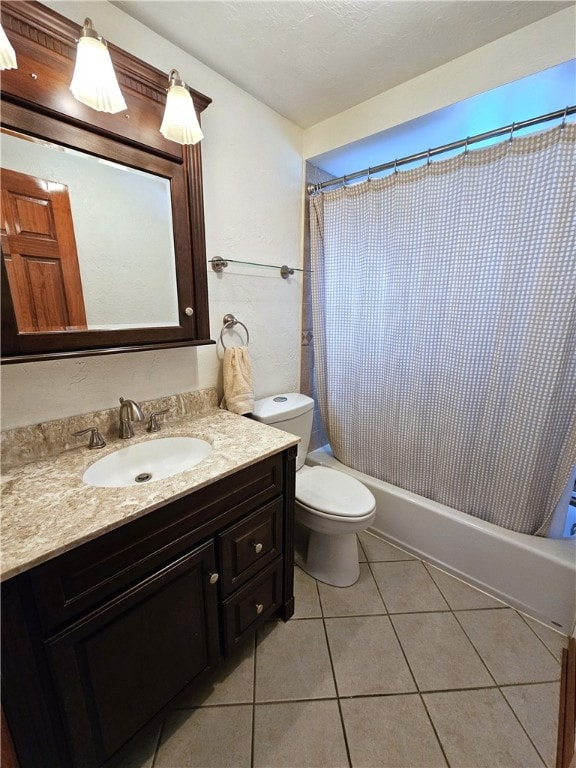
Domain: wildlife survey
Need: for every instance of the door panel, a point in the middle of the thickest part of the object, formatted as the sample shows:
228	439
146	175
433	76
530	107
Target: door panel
39	249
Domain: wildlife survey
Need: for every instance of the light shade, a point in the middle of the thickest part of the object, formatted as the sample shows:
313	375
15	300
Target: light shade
7	52
180	123
94	81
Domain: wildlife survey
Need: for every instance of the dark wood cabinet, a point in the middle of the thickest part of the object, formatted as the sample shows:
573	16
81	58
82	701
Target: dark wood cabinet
100	640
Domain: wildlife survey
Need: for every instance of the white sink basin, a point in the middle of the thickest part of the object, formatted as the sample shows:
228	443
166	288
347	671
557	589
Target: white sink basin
145	462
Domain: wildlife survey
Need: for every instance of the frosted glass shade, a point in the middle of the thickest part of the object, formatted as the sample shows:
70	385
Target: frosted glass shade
94	81
180	123
7	52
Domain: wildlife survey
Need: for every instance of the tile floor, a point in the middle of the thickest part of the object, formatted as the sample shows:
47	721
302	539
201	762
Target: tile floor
409	667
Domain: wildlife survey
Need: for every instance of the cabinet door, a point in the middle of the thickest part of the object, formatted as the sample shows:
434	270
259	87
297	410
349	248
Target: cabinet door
117	667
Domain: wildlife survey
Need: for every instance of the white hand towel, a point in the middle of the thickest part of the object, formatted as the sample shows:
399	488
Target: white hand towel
237	375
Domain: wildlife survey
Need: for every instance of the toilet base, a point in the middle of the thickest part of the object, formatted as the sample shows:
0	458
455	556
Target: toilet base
332	558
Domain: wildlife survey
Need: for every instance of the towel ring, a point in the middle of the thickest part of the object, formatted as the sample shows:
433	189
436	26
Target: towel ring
229	322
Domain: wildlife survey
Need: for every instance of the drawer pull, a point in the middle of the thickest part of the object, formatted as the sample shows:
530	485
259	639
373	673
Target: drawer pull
214	578
257	546
259	608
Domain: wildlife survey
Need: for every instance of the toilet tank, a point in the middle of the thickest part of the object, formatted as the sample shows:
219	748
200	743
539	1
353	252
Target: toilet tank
290	412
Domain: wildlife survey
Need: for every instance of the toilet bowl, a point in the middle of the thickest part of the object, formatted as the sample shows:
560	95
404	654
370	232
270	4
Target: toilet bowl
331	507
334	507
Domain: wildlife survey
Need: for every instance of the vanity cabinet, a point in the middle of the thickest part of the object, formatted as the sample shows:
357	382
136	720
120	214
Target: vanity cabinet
99	640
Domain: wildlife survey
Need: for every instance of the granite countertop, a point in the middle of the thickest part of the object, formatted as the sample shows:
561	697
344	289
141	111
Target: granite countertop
47	509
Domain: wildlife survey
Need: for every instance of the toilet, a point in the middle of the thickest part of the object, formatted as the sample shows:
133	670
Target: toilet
331	507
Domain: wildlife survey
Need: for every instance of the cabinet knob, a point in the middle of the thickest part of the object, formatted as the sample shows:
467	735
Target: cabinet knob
214	578
259	608
189	311
257	546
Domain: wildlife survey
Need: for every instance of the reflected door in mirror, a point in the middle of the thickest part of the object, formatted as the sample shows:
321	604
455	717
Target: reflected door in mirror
39	250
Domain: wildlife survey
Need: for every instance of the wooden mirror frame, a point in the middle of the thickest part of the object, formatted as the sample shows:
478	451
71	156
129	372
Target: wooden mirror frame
36	100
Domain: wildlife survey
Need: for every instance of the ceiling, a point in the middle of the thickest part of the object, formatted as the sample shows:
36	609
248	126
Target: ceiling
311	59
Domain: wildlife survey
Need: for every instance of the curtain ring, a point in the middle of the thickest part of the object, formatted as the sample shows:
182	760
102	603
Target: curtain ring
511	132
563	123
428	161
396	166
466	145
369	172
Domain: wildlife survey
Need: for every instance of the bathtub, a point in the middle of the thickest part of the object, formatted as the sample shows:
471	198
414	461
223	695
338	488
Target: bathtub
533	574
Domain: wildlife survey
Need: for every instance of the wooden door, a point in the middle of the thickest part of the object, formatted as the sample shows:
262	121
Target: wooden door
39	250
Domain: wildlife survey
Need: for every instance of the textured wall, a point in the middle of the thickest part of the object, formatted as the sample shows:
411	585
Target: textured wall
253	178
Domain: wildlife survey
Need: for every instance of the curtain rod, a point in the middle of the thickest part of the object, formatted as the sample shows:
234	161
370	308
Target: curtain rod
311	188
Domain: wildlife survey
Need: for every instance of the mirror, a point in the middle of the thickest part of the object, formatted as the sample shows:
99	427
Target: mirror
102	227
113	231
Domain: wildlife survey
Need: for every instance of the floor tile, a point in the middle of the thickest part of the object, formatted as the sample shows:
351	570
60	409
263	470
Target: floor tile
209	737
440	655
139	752
377	549
367	657
509	648
359	599
478	730
361	553
553	640
306	600
303	734
458	595
292	662
536	706
390	732
407	586
233	684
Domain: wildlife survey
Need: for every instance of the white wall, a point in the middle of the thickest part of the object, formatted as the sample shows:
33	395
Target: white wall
253	180
529	50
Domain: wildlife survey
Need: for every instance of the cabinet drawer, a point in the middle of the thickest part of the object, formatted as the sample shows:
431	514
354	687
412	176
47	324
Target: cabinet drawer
245	548
252	605
79	580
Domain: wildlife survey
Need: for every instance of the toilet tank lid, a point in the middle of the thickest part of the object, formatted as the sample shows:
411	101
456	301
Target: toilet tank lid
278	408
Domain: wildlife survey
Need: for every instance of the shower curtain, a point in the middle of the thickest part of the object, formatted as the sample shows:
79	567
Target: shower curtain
444	308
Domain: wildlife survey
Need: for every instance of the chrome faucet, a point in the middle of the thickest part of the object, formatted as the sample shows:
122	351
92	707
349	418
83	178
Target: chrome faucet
129	411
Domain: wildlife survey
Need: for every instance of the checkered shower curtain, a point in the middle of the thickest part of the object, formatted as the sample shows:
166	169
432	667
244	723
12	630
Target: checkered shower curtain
444	306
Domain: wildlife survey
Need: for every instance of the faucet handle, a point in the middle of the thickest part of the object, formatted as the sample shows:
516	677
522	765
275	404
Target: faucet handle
96	439
153	425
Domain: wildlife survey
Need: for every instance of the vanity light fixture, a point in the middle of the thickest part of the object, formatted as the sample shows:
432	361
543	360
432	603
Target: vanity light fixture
94	82
7	52
180	123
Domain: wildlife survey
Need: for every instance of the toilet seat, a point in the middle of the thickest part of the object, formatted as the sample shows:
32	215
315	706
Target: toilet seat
333	493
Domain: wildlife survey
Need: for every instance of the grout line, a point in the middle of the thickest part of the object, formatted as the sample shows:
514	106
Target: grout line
499	687
255	641
404	654
511	708
158	742
431	721
420	693
531	628
476	651
377	587
389	694
344	734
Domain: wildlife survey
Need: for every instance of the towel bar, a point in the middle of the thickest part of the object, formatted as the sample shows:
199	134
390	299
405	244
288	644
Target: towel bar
229	322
